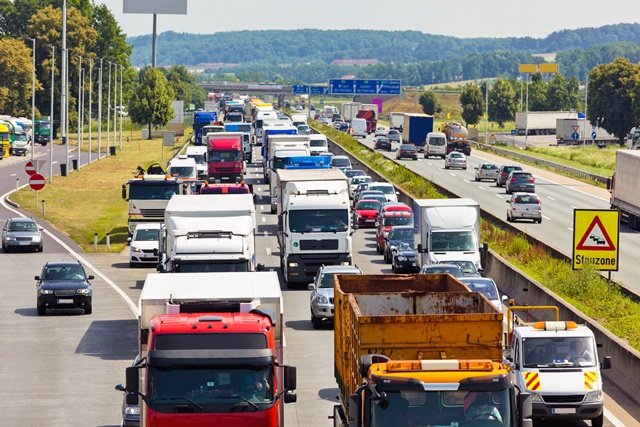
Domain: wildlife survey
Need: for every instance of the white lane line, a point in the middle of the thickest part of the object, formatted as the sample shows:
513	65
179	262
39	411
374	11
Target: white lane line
482	188
429	163
264	219
452	174
546	217
550	198
132	306
574	207
616	422
268	251
261	207
13	174
570	229
266	234
499	196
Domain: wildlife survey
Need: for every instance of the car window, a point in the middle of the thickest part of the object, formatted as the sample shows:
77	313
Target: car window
466	266
69	272
386	189
368	206
489	167
406	246
146	235
398	220
527	199
485	287
401	234
326	280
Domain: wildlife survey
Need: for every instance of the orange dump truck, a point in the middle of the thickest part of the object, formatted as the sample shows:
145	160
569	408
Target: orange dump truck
420	350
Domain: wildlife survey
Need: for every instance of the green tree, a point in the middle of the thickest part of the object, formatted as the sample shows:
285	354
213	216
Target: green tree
472	104
635	103
16	77
429	103
537	93
502	102
151	100
609	94
562	94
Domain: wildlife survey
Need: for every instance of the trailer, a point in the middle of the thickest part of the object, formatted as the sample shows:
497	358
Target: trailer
540	122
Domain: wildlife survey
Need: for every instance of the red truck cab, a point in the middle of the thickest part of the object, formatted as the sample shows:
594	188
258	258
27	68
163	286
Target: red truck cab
370	117
226	161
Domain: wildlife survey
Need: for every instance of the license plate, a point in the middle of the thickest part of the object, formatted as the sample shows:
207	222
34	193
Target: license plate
413	264
65	301
24	243
563	411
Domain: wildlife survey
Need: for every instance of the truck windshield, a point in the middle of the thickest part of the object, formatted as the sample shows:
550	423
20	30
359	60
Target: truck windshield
558	351
224	156
20	137
199	158
215	388
318	220
140	191
318	143
443	408
210	267
453	241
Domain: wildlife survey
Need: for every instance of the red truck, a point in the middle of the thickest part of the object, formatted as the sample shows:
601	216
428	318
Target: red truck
210	353
226	157
370	117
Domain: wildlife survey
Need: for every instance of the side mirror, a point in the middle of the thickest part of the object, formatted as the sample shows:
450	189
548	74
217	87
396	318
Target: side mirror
290	382
129	240
124	191
37	278
419	248
260	267
485	247
311	286
160	268
90	277
607	363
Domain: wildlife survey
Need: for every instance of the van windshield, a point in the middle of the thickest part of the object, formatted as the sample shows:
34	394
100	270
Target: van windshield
439	141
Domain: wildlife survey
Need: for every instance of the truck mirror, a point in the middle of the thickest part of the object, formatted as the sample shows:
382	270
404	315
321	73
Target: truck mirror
311	286
132	379
485	247
290	381
524	405
290	398
607	363
160	268
260	267
124	191
419	248
354	409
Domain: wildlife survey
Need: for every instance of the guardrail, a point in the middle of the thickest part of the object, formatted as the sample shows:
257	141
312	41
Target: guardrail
545	163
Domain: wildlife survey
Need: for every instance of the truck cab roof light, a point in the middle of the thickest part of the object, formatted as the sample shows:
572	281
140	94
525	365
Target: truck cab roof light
555	326
210	319
440	365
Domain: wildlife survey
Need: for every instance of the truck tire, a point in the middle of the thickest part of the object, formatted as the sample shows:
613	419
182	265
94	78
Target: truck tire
598	422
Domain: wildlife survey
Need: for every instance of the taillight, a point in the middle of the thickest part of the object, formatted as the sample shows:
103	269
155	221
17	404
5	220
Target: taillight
504	174
513	180
539	201
531	180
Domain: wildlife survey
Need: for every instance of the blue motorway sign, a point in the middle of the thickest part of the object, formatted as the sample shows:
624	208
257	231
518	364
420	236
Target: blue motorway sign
364	87
300	89
319	90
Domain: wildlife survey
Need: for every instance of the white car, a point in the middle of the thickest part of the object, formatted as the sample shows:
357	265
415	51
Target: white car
524	206
323	120
321	298
485	286
388	189
455	160
145	244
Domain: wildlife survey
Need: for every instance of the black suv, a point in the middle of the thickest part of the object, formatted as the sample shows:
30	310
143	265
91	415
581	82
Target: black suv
21	233
503	173
63	284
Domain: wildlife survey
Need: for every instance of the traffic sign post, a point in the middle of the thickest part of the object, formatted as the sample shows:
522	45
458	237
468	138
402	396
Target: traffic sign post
575	136
593	135
596	236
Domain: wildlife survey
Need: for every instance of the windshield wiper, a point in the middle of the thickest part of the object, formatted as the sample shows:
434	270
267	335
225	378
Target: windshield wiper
234	396
180	397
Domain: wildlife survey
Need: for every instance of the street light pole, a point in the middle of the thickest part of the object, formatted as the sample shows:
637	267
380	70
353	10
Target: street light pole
108	110
33	97
79	88
121	105
486	110
90	90
53	63
115	101
526	127
64	116
100	111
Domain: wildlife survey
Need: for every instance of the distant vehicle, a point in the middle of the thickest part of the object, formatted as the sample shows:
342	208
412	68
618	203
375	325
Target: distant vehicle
520	181
341	162
344	127
455	159
468	268
359	128
144	244
485	286
394	206
323	120
524	206
387	188
404	259
366	212
451	269
21	233
63	284
407	151
368	194
394	135
435	145
317	144
486	170
321	298
503	173
397	235
299	108
382	132
386	222
350	173
304	130
382	143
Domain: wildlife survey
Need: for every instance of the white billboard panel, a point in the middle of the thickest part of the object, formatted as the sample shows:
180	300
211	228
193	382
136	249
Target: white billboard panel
161	7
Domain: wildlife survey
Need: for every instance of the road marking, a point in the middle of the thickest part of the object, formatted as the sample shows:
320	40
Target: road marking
546	217
500	196
264	219
482	188
551	198
266	234
616	422
574	207
570	229
13	174
452	174
268	251
261	207
132	306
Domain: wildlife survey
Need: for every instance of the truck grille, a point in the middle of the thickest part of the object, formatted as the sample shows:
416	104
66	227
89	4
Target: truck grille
569	398
152	213
65	292
318	245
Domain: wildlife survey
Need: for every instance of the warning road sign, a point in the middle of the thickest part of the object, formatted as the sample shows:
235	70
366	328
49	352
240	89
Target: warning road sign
595	239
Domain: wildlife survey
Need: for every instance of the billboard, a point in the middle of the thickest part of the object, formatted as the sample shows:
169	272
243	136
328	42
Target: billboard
161	7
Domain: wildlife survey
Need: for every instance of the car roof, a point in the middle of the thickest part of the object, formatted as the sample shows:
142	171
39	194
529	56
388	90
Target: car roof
403	214
20	219
442	266
353	269
368	200
456	153
62	263
402	227
386	184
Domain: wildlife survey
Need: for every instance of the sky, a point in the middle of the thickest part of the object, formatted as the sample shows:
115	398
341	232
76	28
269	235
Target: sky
458	18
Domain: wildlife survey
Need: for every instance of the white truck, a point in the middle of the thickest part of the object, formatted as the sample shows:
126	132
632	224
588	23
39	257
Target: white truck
199	154
541	122
624	190
281	147
447	230
396	120
262	114
566	129
318	144
209	233
314	225
350	110
299	119
557	363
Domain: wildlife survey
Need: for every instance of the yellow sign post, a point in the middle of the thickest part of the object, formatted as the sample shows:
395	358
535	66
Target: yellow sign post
596	234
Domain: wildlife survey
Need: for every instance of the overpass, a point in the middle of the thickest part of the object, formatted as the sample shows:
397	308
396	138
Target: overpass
237	87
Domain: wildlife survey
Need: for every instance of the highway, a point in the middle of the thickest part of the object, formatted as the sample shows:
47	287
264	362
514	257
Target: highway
61	369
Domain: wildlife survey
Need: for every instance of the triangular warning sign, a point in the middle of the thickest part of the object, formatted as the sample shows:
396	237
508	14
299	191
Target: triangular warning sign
596	238
575	127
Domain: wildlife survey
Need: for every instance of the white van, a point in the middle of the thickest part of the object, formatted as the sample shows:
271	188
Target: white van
318	144
299	119
435	145
199	154
184	168
359	128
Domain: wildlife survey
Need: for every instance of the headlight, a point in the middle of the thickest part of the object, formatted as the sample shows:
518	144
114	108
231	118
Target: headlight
36	239
345	263
46	291
535	397
293	264
392	247
10	239
83	291
321	299
132	410
593	396
402	258
135	249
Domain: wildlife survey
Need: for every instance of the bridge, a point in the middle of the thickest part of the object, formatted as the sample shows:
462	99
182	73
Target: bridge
236	87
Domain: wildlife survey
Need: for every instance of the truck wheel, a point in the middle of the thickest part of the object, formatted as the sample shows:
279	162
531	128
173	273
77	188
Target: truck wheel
317	323
598	422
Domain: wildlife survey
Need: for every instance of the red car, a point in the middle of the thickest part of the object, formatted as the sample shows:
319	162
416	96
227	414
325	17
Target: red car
388	220
367	212
394	206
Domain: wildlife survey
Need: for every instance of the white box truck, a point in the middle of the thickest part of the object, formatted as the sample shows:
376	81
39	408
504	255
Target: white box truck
447	230
350	110
314	226
209	233
624	190
566	129
396	120
541	122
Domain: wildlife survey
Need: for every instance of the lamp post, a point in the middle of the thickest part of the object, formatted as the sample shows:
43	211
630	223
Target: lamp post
64	116
33	96
90	90
108	110
121	105
53	63
115	101
79	94
526	128
100	110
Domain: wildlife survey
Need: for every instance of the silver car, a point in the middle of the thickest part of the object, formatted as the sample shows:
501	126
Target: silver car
486	171
21	233
455	160
524	206
322	292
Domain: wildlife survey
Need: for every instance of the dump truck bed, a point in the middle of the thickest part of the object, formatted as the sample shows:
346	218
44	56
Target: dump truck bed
410	317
